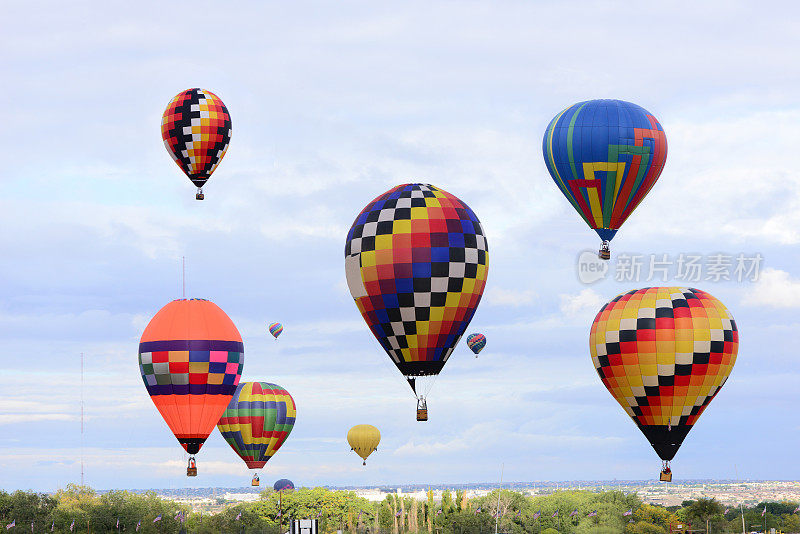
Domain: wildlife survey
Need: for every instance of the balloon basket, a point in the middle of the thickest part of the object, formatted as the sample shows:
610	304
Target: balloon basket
255	481
422	409
199	196
191	469
666	472
605	251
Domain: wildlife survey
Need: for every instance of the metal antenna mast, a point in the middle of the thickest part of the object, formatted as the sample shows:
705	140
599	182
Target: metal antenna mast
81	419
499	489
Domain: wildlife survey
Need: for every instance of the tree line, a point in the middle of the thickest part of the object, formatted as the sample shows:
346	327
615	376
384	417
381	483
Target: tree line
79	509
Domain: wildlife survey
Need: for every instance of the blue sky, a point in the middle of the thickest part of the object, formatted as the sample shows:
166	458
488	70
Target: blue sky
332	104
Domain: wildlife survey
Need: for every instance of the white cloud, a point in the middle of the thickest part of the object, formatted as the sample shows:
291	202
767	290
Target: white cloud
8	419
774	289
497	296
728	177
588	300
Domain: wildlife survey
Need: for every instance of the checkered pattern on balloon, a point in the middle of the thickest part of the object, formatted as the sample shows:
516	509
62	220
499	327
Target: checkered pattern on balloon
416	260
664	353
196	129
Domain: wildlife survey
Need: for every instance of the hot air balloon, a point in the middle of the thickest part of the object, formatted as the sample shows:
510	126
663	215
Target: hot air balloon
364	440
190	358
257	422
664	353
283	484
196	129
476	342
416	262
280	486
276	329
604	156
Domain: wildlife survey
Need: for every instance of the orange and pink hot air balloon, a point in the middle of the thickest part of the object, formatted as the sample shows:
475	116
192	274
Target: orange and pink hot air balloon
190	358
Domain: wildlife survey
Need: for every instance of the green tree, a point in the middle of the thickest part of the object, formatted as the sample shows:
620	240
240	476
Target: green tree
705	513
447	502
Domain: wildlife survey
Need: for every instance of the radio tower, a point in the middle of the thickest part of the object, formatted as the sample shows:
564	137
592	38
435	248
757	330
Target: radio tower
81	419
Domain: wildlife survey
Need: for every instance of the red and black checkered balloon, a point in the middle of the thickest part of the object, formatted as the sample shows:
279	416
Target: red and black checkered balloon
196	129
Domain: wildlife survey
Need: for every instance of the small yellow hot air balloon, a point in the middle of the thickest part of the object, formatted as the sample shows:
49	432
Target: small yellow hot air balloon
364	440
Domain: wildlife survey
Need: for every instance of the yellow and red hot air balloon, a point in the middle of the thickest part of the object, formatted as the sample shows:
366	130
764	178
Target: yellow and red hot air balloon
190	358
664	353
196	129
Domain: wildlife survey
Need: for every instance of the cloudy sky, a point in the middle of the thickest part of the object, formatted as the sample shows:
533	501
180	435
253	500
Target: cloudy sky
333	103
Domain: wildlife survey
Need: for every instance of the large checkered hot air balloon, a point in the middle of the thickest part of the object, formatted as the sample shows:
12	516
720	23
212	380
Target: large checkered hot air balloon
257	422
196	129
416	262
604	156
664	353
190	358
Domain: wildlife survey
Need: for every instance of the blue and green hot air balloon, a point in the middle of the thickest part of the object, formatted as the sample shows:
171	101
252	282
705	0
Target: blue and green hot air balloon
476	342
605	156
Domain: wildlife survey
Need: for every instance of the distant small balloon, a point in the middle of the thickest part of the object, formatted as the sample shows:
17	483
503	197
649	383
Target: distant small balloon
283	484
476	342
364	440
275	329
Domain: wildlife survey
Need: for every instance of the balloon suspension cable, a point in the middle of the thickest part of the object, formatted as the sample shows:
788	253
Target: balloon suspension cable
605	251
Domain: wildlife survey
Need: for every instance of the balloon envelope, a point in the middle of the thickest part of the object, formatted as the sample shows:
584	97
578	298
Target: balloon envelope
364	439
196	129
604	156
257	422
416	261
190	358
476	342
664	353
275	329
283	484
